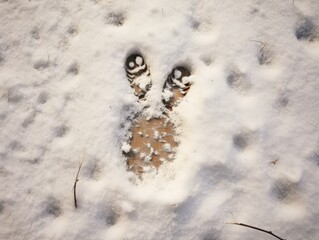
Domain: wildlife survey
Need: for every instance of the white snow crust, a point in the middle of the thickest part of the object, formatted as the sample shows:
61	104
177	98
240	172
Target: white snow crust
177	74
126	147
139	61
249	132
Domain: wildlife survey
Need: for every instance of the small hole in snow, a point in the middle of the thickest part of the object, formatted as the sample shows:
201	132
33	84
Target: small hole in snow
35	33
15	96
241	141
284	191
305	30
1	206
53	207
195	25
43	97
74	68
115	18
61	131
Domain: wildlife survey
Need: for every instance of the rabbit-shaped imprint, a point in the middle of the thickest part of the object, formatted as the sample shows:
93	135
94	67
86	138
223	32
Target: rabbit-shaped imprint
153	140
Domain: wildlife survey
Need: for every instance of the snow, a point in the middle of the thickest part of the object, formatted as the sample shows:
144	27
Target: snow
177	74
157	135
187	80
167	94
126	147
167	147
179	84
248	128
139	61
131	64
142	82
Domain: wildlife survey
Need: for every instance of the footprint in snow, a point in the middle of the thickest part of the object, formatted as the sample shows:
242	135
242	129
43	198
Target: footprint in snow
153	140
306	30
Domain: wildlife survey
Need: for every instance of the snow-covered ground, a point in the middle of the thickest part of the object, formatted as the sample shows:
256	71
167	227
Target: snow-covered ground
249	148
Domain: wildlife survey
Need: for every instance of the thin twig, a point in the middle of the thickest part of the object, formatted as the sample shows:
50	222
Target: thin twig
75	182
263	43
256	228
253	40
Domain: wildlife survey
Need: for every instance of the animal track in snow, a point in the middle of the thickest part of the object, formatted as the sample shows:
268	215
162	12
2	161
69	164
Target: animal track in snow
93	169
285	191
29	119
61	130
35	33
195	24
115	18
153	140
16	146
41	64
210	236
282	102
306	30
237	80
15	95
74	68
207	59
43	98
73	30
242	140
111	218
53	207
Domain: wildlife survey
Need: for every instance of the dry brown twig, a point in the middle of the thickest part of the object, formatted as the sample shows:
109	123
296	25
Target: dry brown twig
256	228
75	182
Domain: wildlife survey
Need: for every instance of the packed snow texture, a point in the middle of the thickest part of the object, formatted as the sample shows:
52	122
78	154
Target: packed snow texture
249	147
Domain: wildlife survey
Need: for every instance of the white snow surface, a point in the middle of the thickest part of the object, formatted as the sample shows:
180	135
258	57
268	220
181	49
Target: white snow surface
126	147
254	100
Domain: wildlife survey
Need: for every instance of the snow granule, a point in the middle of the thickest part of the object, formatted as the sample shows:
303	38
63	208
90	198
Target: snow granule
177	74
139	61
126	147
143	81
156	135
167	147
167	94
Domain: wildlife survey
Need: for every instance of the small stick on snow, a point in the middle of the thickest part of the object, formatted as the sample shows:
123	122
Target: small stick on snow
263	43
256	228
75	182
